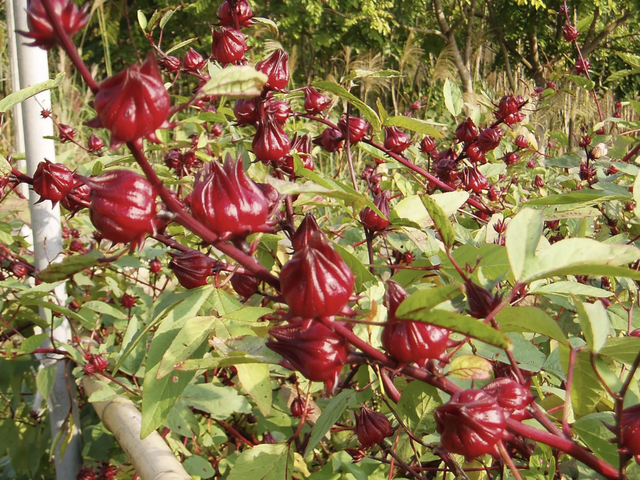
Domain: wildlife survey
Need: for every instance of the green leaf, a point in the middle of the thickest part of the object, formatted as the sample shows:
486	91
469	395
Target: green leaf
636	196
530	319
194	331
462	324
180	45
62	310
440	220
416	405
413	124
585	198
142	20
264	462
104	308
582	81
166	17
586	389
523	235
220	402
595	323
597	436
5	171
427	299
248	314
198	467
622	349
362	273
577	256
236	81
366	110
21	95
33	342
45	379
452	97
217	362
159	396
330	415
571	288
471	367
273	27
70	266
256	381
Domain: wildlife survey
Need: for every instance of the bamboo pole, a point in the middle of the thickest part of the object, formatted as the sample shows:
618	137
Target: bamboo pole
151	457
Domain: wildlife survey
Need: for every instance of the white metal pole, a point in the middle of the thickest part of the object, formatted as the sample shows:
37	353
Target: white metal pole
47	236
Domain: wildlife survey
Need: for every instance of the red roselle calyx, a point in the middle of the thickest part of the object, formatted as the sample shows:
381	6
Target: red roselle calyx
128	301
244	285
372	427
302	146
471	424
330	139
77	199
228	46
358	128
467	131
481	301
227	201
276	68
489	139
314	101
246	111
310	348
427	145
521	141
371	219
52	181
270	142
66	133
307	230
193	61
409	341
582	67
123	206
475	154
133	103
95	143
511	396
570	33
630	432
169	63
240	9
473	180
396	140
279	110
192	268
41	30
316	282
155	266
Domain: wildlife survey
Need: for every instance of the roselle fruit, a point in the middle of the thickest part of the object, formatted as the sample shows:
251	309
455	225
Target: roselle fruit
310	348
446	169
316	282
473	180
246	111
396	140
193	61
372	427
470	424
66	133
155	266
133	103
52	181
231	11
511	396
306	231
371	219
330	139
521	141
475	154
123	206
41	31
270	143
276	68
128	301
77	199
302	146
95	143
227	201
409	341
358	128
582	67
467	131
314	101
244	285
489	138
192	268
279	110
570	33
630	432
481	301
228	46
427	145
170	63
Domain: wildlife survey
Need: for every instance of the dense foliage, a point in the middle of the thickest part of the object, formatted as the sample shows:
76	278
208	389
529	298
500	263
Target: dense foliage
340	278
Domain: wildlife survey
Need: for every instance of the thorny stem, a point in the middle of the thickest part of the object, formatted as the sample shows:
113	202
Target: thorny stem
69	47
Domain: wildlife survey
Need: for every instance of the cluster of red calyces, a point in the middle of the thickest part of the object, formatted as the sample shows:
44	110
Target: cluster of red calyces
409	341
41	30
95	364
315	282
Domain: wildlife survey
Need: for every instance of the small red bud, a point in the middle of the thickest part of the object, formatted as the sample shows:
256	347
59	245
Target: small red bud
66	133
372	427
276	68
473	180
169	63
489	139
302	146
358	128
228	46
570	33
427	145
100	363
19	269
89	369
86	474
270	142
95	143
128	301
396	140
314	101
582	67
521	141
76	246
246	111
192	268
371	219
193	61
52	181
305	232
467	131
155	266
330	139
244	285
